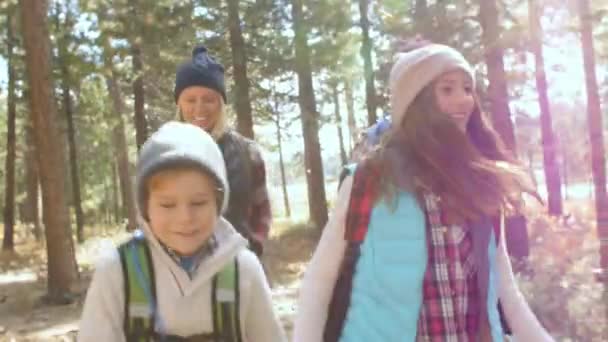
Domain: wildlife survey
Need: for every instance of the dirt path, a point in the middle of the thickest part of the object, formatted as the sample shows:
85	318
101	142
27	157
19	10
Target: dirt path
564	252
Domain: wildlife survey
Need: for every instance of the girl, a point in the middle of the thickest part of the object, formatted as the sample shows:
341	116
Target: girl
200	95
187	275
414	249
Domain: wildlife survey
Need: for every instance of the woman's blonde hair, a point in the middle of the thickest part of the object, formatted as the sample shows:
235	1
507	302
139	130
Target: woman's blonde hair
221	125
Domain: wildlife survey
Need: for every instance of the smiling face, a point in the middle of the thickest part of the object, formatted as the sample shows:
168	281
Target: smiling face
200	106
182	208
453	92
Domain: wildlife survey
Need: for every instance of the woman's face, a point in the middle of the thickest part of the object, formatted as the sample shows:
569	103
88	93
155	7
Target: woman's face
453	92
200	106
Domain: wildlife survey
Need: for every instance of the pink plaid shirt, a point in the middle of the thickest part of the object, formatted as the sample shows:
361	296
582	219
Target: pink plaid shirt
450	307
451	300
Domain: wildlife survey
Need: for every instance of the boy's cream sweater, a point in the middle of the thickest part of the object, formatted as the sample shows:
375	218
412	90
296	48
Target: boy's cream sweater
184	304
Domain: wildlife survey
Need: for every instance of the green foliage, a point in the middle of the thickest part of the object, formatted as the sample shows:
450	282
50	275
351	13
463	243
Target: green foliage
95	145
83	31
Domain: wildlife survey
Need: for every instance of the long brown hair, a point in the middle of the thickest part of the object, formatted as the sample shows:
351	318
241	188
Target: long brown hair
471	172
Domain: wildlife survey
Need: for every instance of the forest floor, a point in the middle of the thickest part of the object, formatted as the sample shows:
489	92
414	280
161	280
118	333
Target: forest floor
24	315
559	284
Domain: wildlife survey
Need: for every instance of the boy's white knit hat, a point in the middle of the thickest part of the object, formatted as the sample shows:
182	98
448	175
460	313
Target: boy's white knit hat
177	143
415	69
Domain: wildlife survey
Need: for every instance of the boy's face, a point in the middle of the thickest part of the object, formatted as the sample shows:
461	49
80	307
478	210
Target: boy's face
182	208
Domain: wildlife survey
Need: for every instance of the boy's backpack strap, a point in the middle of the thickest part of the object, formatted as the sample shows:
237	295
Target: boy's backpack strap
139	287
225	301
140	297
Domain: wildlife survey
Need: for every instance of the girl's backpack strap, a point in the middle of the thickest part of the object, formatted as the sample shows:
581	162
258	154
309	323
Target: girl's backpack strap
340	300
225	301
360	207
140	289
361	203
347	170
498	223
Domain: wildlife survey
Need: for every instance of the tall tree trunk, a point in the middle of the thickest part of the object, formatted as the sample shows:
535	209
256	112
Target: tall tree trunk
565	174
62	268
31	179
141	123
115	192
8	242
67	103
279	132
366	54
336	99
107	200
244	121
531	166
442	29
69	114
282	165
122	155
350	109
552	178
422	20
317	202
596	137
118	133
499	95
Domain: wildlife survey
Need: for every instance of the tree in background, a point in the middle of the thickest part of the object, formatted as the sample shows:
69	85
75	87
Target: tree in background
8	242
276	101
64	31
242	101
120	140
32	183
62	269
309	117
350	112
338	120
596	136
497	90
136	30
366	54
552	178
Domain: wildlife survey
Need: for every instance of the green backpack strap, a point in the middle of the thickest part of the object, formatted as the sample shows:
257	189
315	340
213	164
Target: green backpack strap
140	289
140	295
225	301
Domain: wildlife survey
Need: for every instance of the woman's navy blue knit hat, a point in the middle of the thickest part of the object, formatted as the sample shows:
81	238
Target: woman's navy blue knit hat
203	71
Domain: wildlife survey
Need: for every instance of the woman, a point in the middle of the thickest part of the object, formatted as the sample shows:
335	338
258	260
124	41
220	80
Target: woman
414	250
200	95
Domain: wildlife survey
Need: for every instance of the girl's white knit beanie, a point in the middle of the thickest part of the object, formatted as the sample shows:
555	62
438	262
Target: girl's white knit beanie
415	69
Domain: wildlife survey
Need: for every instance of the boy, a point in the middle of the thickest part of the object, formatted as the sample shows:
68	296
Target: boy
187	275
